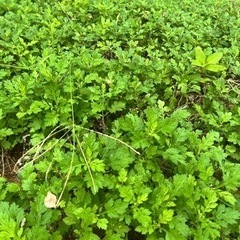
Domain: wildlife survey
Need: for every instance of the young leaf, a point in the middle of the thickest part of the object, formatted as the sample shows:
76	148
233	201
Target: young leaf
4	132
143	216
97	165
122	175
197	63
51	119
214	58
215	68
228	197
166	216
102	223
210	201
126	192
200	56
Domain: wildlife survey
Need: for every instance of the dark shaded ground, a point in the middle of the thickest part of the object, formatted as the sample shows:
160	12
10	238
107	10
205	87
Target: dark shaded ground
8	162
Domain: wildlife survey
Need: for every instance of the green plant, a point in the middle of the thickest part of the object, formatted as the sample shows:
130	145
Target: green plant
209	63
12	219
114	131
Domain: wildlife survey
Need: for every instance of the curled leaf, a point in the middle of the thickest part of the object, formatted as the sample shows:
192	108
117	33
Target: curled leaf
50	200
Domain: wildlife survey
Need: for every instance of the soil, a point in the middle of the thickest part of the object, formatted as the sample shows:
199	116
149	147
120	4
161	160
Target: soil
8	162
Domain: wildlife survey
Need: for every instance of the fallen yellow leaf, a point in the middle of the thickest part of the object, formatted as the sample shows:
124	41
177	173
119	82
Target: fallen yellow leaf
50	200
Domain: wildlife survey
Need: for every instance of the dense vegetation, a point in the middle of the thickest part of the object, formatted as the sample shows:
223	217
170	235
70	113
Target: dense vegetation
119	119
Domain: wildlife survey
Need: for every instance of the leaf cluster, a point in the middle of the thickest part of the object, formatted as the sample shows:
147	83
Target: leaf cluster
129	112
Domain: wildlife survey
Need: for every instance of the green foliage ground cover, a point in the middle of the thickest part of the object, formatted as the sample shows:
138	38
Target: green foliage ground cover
130	112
